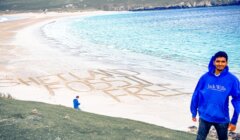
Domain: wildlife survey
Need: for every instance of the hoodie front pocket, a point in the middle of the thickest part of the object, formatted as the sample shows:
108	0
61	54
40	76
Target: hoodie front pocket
214	111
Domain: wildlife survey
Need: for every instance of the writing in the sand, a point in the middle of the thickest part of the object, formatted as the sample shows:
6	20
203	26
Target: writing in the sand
115	83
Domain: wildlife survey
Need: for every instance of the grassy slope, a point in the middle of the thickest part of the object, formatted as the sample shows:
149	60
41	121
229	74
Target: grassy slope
19	121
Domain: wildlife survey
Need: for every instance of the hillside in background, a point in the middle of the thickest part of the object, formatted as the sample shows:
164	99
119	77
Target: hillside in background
21	120
116	5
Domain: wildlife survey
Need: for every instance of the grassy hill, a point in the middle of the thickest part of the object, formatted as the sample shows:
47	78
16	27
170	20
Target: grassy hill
21	120
23	5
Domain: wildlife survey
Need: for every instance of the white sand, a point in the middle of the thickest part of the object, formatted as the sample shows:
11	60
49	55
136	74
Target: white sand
33	70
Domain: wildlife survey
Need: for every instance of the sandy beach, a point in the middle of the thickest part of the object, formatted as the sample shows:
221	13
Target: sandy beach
33	70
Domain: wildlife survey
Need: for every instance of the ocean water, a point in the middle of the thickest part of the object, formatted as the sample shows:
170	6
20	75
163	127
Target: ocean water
3	19
9	18
173	43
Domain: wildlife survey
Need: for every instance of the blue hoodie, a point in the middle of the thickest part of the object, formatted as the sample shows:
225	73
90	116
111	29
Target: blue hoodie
211	96
76	103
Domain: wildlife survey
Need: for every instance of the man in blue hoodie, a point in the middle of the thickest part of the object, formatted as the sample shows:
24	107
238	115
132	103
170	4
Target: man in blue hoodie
76	103
211	98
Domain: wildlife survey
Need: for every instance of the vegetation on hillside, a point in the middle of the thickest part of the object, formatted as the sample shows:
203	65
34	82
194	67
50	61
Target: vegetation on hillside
21	120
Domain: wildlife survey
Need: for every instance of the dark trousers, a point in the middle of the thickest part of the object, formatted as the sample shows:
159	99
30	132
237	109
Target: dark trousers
204	127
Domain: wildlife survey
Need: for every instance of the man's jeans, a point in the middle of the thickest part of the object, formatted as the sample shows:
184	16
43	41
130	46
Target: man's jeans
204	127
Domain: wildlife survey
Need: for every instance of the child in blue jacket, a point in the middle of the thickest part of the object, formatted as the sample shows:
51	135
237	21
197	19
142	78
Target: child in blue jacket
76	103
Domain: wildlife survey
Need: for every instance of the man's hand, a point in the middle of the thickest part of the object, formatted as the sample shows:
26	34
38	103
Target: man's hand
232	127
194	119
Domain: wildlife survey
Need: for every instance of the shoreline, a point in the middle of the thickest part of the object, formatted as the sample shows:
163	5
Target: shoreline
34	70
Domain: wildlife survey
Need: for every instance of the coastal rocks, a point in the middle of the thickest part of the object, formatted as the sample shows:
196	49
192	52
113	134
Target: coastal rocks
67	117
191	4
204	3
224	2
213	134
69	6
194	4
234	136
34	112
34	116
6	95
187	4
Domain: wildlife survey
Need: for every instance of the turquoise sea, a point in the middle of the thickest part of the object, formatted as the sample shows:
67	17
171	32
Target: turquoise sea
6	18
177	42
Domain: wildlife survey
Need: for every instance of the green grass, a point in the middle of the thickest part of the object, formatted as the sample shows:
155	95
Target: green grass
21	120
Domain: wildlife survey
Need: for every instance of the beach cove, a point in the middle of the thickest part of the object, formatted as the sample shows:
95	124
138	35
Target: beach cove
34	68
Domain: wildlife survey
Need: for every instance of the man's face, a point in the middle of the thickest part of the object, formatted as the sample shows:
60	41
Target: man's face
220	63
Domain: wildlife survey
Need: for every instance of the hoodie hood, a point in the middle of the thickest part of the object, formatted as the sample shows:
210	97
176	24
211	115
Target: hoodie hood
211	67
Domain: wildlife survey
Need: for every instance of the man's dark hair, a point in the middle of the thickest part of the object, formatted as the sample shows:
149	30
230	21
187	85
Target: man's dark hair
221	54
